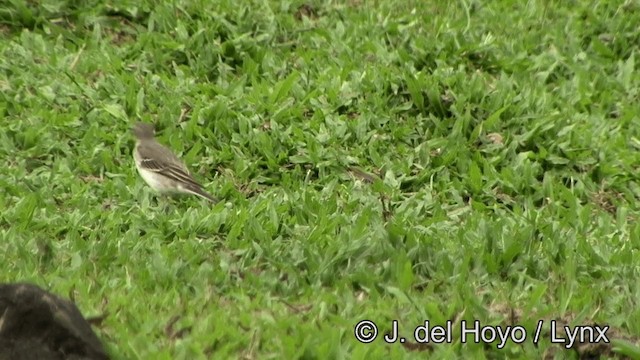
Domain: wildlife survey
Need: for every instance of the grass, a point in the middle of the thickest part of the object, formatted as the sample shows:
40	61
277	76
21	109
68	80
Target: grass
493	149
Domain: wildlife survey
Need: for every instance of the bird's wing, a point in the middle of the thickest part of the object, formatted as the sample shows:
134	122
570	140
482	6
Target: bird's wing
165	163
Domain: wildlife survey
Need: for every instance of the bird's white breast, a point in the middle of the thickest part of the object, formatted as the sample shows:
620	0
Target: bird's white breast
157	182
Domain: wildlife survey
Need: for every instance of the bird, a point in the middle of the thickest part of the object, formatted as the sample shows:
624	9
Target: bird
160	168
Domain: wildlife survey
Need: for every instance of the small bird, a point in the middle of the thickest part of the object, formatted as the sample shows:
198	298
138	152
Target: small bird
160	168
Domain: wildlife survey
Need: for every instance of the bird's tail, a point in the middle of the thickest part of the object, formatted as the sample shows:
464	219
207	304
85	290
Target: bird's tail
195	190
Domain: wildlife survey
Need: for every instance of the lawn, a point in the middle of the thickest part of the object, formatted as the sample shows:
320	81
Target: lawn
377	160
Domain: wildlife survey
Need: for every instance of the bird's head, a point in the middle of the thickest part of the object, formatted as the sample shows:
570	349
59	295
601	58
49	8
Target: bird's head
143	130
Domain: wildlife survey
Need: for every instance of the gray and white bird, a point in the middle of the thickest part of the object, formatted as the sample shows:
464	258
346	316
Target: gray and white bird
160	168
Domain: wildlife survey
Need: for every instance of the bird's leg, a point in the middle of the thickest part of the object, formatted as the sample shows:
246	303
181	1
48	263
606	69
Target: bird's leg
165	203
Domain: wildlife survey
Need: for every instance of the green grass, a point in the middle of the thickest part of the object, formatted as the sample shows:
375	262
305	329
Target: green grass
505	135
